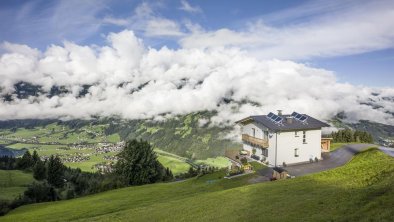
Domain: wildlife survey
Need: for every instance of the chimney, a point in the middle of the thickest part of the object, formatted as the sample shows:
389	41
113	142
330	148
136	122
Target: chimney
279	112
289	120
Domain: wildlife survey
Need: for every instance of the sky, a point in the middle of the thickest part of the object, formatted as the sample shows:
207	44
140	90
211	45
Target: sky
354	39
319	57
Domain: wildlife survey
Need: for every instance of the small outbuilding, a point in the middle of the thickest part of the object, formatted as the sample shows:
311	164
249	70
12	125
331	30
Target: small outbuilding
325	144
279	173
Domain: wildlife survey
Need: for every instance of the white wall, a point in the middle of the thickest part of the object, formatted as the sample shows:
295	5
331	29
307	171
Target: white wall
287	142
259	130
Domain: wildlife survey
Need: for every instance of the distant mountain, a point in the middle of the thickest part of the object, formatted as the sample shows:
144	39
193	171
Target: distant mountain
4	151
383	134
190	135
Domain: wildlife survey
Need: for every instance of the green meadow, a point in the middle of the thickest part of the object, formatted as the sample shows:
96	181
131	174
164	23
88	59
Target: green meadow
13	183
362	190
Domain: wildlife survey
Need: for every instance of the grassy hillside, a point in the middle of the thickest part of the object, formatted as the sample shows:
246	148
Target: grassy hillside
77	141
189	135
362	190
13	183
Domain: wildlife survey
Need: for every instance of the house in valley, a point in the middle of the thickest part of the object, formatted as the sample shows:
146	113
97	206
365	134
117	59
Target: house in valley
279	139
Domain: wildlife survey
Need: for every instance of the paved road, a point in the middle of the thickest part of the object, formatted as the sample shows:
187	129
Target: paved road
334	159
387	150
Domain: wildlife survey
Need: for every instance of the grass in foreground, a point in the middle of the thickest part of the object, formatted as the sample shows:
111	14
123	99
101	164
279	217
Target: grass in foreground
13	183
362	190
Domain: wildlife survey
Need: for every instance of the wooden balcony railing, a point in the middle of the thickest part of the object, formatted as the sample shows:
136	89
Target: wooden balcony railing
255	141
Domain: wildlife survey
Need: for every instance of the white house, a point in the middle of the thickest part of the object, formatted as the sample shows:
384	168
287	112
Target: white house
282	139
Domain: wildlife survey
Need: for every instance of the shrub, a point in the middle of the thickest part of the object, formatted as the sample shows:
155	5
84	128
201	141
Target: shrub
4	207
244	160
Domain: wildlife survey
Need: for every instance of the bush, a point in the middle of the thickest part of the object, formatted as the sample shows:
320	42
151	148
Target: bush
235	171
244	160
40	192
4	207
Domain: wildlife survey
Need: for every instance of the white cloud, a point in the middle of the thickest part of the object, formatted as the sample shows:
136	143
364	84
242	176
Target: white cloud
185	6
148	23
177	82
162	27
42	22
360	28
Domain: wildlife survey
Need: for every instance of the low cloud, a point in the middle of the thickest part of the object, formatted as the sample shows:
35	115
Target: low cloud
133	81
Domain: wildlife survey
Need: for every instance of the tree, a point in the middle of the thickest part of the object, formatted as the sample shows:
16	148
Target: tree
40	192
35	157
39	170
26	161
55	171
138	164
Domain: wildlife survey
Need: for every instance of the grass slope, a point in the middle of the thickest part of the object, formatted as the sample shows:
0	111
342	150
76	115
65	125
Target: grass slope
362	190
13	183
177	166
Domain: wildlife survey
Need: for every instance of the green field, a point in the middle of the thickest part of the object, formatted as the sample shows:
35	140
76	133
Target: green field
177	166
13	183
362	190
220	162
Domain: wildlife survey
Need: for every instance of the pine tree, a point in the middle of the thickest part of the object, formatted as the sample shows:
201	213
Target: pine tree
35	157
138	164
26	161
40	170
55	171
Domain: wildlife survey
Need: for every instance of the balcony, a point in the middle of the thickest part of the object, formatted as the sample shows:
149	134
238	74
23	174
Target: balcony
255	141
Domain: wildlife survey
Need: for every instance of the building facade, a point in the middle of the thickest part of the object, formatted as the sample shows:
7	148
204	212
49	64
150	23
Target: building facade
282	139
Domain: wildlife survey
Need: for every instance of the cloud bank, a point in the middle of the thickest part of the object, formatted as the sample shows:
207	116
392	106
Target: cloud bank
131	80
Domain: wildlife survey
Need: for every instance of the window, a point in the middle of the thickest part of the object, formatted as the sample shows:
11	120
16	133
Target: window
304	136
296	133
296	152
253	132
264	152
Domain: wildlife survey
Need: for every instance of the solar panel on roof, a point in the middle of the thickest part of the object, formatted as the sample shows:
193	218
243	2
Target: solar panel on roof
303	118
294	114
298	116
273	117
270	115
278	119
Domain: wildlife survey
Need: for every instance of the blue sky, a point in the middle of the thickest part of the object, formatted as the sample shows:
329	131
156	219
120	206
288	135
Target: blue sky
354	39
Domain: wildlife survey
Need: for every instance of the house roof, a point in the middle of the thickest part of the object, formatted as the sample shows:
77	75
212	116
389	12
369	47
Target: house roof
309	123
